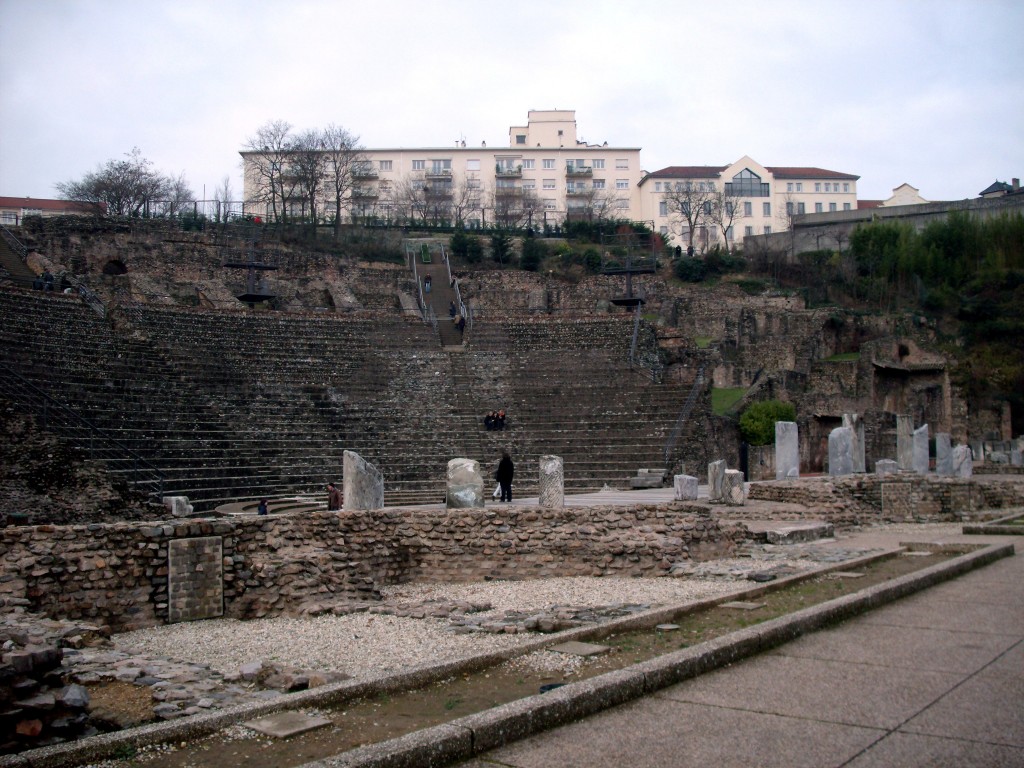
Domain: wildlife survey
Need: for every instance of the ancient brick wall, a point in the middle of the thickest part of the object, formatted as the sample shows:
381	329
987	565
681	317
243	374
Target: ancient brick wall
121	574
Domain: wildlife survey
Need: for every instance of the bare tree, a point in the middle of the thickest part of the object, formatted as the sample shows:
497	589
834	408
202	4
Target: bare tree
222	197
409	200
343	163
725	208
306	172
124	187
689	204
592	204
265	153
464	200
513	206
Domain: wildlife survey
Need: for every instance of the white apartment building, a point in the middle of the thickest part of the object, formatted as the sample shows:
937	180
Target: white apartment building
765	198
545	175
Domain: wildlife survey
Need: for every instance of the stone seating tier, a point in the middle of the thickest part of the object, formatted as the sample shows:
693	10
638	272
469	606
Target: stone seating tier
240	404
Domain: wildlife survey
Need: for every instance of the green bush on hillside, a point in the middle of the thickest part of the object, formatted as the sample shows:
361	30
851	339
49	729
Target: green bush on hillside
757	424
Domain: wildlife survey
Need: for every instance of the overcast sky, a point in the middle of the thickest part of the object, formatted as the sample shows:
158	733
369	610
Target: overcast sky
920	91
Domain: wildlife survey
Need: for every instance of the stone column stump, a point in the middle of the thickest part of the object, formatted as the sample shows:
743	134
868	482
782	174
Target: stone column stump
552	482
787	450
364	484
685	487
465	484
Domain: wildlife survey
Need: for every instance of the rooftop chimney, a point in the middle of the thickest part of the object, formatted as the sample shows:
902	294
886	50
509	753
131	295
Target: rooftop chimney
1016	185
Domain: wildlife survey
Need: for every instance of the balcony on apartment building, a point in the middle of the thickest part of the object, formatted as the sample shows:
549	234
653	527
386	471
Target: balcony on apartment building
576	190
438	172
364	193
508	171
574	169
364	172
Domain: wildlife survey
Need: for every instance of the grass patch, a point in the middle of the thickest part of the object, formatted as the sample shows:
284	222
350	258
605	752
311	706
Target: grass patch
703	342
722	400
843	357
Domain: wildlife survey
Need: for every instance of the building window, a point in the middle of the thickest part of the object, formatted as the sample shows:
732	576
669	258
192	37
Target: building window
748	208
549	164
767	229
440	166
419	165
831	207
846	206
846	187
766	209
799	186
657	186
800	209
707	208
817	186
529	184
622	205
598	183
746	183
622	183
598	165
473	184
828	187
789	208
529	165
472	165
663	208
520	138
549	183
663	231
385	165
789	186
549	205
747	231
621	164
818	208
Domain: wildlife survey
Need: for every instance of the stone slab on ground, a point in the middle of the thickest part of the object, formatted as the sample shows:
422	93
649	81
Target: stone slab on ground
791	532
576	648
742	605
847	574
281	725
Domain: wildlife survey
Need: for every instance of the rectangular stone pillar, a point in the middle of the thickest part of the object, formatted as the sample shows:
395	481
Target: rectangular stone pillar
552	482
465	484
921	450
733	491
686	487
905	443
716	475
195	579
364	484
886	467
963	461
840	452
856	424
787	450
943	454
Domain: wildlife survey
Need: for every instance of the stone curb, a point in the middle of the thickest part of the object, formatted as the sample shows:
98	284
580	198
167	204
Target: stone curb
525	716
443	745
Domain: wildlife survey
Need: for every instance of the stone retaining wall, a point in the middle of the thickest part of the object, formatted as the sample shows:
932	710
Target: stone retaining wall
118	574
858	499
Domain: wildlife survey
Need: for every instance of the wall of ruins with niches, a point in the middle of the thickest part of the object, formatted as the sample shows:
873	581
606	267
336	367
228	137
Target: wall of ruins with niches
120	574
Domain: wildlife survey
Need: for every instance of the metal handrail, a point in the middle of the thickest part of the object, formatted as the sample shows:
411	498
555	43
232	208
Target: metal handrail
57	417
684	414
16	245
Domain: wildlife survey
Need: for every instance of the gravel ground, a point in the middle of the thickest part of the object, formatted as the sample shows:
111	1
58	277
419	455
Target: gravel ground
364	645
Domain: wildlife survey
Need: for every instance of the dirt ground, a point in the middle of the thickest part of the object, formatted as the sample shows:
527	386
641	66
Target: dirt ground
370	721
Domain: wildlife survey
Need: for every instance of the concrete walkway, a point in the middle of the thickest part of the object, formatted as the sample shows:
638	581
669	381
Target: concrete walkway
935	679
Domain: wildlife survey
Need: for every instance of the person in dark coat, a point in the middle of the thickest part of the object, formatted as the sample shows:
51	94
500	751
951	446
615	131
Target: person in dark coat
334	499
506	470
261	508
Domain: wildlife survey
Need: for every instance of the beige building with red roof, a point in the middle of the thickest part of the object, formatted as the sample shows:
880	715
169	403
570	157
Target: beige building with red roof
14	209
765	198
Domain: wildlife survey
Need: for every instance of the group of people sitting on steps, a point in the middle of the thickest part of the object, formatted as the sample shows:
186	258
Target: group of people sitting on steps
494	420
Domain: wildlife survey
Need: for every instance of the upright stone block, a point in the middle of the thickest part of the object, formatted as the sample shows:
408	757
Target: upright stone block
840	452
886	467
787	450
905	443
363	485
465	484
734	493
178	506
943	454
855	423
921	450
552	482
195	579
963	461
686	487
716	474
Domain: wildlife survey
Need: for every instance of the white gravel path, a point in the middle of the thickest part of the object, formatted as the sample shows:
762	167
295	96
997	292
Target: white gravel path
364	645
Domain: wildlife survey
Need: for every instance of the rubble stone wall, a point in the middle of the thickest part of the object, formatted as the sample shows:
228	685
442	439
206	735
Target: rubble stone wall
859	499
118	574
